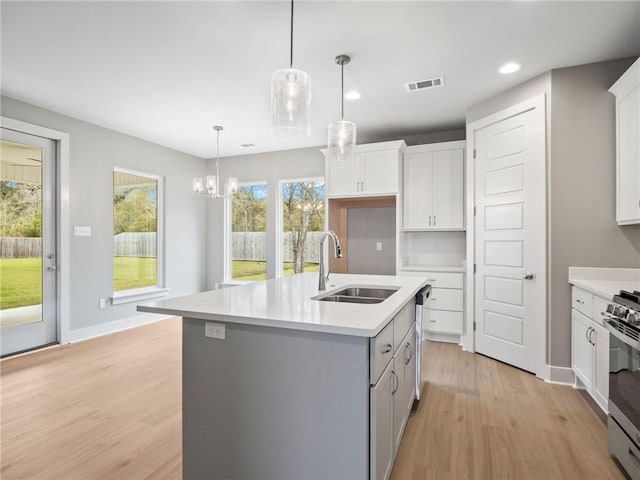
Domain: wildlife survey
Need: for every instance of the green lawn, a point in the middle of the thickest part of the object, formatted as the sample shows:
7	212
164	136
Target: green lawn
21	278
20	282
246	270
133	272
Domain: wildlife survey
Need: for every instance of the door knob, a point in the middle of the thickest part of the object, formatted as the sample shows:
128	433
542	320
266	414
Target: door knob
528	276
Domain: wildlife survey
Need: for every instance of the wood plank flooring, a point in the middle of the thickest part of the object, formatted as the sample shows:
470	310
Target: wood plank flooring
109	408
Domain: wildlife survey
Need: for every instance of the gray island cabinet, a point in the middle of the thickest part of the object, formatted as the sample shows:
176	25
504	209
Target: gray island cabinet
297	388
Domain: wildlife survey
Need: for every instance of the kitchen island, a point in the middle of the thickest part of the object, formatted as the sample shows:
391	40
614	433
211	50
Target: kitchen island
297	388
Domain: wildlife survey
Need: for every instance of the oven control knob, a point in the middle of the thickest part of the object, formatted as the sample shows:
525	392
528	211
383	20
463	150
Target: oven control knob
633	318
619	312
610	308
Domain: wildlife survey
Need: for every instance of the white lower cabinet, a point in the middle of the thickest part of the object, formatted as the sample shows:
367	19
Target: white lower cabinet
444	309
590	346
391	396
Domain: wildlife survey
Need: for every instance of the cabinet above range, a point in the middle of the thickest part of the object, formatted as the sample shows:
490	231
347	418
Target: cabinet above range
376	171
433	187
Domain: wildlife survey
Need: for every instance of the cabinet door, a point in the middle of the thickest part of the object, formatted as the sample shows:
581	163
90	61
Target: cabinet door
448	189
417	191
381	418
600	337
628	172
380	172
581	349
343	181
399	405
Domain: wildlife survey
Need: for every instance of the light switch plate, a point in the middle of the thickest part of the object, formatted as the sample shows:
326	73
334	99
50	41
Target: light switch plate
81	231
379	246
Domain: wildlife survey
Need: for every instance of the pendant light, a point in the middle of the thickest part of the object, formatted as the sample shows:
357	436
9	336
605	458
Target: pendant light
341	148
291	97
212	181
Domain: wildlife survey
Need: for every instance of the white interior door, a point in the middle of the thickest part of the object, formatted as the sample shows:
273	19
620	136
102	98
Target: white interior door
28	249
510	310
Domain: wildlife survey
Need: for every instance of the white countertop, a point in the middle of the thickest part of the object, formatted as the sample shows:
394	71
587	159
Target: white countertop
286	303
605	282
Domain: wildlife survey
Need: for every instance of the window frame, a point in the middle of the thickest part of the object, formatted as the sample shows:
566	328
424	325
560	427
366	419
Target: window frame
280	212
159	289
228	244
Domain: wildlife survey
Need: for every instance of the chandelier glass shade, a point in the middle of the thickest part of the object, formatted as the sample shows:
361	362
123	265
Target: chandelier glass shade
211	185
341	143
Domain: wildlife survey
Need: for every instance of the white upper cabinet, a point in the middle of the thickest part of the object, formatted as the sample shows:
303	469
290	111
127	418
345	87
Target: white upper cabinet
433	187
627	92
375	172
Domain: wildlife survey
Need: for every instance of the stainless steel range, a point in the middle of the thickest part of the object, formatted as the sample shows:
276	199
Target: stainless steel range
622	319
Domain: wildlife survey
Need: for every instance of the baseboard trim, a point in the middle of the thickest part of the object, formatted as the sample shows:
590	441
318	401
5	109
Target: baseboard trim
115	326
560	375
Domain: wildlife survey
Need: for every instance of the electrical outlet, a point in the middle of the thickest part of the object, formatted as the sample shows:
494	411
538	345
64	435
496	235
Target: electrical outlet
81	231
102	303
214	330
379	246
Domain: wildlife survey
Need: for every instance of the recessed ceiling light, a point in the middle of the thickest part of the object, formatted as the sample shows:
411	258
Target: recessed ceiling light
510	67
352	95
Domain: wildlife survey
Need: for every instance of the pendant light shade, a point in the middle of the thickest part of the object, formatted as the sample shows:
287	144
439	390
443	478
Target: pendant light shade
291	97
291	101
341	145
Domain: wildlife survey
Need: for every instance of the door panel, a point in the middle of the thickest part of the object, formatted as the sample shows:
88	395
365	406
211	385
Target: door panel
28	263
510	237
418	195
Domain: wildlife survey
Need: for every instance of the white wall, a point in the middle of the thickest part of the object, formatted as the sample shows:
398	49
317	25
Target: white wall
94	152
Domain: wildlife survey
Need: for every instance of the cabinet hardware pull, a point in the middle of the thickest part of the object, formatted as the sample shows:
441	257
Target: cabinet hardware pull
395	389
579	301
634	457
386	348
431	279
408	345
434	220
432	321
429	220
590	341
586	334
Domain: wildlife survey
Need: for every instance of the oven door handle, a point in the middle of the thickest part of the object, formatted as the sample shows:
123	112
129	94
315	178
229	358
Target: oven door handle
611	325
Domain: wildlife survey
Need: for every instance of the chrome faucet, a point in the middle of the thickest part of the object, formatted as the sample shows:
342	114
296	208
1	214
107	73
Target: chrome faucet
338	254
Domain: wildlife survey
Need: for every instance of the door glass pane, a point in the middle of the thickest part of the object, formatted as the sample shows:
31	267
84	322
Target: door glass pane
135	229
249	233
20	234
302	225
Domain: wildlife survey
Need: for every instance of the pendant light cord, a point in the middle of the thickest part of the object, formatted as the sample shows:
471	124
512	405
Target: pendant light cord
291	39
342	91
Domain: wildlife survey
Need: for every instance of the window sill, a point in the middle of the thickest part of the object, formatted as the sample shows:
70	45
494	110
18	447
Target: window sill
138	294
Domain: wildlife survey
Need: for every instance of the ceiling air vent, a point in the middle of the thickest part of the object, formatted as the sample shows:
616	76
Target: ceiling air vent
422	84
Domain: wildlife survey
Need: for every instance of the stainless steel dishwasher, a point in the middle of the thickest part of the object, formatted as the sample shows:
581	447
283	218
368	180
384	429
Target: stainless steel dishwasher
421	298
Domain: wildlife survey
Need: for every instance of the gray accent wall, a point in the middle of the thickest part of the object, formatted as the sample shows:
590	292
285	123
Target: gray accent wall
582	181
94	152
582	230
366	227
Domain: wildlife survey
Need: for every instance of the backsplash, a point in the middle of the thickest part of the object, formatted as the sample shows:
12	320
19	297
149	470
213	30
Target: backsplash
433	248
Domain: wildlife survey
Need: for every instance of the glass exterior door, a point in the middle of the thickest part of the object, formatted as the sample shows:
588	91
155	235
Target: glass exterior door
28	263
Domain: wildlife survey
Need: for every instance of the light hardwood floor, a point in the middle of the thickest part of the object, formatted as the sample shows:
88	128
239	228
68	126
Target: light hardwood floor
109	408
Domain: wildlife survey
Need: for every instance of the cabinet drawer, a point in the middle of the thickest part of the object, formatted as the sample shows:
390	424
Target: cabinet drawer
442	321
599	306
445	279
445	299
380	352
582	301
402	323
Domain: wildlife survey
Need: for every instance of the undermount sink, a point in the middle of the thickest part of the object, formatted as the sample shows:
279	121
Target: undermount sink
367	295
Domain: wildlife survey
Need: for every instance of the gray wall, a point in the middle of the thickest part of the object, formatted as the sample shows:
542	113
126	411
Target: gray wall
270	167
582	225
580	183
366	226
94	152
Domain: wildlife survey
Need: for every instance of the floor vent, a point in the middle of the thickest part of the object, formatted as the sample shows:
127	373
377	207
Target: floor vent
422	84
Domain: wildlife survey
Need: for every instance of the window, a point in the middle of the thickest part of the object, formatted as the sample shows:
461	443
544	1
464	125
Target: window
302	222
248	242
137	231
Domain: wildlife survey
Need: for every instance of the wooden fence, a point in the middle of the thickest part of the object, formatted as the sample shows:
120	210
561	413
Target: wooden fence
252	246
134	244
20	247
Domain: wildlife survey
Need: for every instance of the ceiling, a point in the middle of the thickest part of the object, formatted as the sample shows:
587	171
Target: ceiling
167	71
